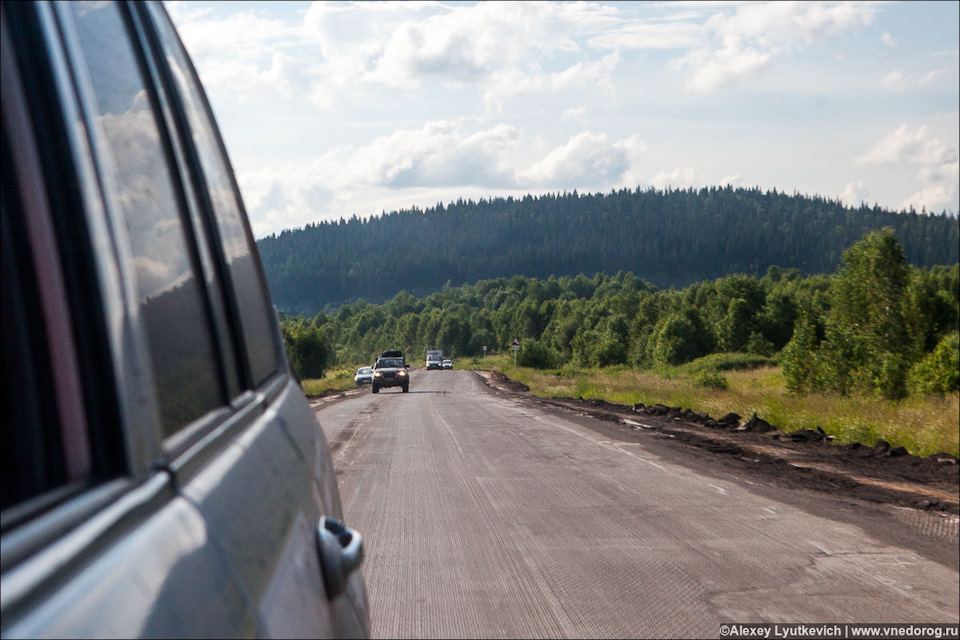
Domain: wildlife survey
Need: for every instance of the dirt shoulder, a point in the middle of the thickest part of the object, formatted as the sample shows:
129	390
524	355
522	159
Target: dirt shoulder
877	473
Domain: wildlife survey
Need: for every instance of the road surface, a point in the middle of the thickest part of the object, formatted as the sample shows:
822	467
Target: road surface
486	516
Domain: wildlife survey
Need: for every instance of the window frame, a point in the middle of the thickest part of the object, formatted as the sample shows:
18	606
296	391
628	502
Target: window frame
153	41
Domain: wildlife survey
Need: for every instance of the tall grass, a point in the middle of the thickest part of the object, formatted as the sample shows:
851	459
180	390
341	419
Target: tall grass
922	424
337	379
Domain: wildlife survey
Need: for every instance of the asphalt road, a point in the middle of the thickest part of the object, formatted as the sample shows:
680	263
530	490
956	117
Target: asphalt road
486	516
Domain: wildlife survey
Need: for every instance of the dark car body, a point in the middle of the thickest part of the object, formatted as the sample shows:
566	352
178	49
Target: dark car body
162	472
390	371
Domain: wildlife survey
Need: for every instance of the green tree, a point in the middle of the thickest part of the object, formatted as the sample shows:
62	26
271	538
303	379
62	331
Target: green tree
868	337
307	348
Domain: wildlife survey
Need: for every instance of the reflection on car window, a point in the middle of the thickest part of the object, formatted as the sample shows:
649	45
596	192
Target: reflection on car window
169	295
256	314
389	363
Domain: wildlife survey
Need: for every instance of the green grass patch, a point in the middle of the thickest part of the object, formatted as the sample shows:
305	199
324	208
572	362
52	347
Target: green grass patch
338	379
923	424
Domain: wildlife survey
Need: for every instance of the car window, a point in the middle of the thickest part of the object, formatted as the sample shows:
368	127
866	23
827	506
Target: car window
238	248
171	300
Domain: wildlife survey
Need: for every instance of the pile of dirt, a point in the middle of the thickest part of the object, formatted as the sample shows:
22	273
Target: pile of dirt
877	472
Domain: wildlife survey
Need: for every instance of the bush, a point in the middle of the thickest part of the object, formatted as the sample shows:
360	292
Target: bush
939	371
711	380
537	355
729	362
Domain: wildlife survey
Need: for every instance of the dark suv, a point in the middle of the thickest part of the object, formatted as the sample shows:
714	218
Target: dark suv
391	370
162	472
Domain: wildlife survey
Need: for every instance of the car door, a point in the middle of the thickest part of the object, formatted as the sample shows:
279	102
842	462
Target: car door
96	539
287	486
222	516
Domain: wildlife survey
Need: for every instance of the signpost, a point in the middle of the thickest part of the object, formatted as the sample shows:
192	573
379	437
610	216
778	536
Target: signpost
516	347
484	353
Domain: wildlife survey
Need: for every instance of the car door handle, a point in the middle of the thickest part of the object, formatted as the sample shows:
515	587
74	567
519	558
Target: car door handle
340	550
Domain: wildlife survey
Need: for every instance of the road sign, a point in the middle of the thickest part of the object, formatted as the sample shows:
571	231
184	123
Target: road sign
516	345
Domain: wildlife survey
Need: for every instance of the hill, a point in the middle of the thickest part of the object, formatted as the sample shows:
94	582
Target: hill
666	237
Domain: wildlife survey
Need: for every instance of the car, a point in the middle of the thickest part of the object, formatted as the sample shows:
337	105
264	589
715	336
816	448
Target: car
390	370
163	472
448	364
364	376
434	359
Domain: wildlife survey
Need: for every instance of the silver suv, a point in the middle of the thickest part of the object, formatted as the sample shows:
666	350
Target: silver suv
162	472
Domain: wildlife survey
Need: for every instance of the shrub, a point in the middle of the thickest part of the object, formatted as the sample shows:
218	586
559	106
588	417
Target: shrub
711	380
729	362
939	371
537	355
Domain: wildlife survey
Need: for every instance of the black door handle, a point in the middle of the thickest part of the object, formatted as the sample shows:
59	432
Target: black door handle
340	550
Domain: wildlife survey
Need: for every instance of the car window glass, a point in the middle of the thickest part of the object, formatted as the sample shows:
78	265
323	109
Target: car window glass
240	253
170	297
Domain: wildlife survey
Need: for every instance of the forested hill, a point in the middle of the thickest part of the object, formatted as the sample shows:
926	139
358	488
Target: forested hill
669	238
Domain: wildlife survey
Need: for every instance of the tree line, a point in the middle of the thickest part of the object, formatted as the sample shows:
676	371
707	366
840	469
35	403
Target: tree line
673	237
877	325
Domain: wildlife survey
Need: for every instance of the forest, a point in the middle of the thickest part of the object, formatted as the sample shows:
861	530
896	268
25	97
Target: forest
667	238
876	325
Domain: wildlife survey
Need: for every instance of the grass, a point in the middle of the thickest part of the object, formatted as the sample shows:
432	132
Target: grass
338	379
924	425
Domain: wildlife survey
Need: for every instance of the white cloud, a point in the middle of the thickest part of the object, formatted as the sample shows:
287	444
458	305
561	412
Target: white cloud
904	145
239	53
573	114
492	45
679	177
439	154
443	157
934	198
854	193
899	82
336	108
734	181
586	161
650	35
939	168
741	45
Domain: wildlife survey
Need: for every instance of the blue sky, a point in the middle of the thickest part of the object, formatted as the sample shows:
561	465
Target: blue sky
332	109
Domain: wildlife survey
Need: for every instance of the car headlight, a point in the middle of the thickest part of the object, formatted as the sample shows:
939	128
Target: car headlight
401	373
377	374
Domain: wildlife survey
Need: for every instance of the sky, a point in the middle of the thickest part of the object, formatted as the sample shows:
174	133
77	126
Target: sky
335	109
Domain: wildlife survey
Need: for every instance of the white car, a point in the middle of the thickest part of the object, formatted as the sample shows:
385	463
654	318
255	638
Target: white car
447	364
364	376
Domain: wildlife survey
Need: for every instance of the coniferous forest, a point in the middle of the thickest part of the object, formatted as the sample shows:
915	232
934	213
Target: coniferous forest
669	238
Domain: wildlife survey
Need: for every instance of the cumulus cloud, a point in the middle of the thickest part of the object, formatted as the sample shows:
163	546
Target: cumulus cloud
243	53
440	157
742	44
586	160
937	161
915	147
679	177
494	46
